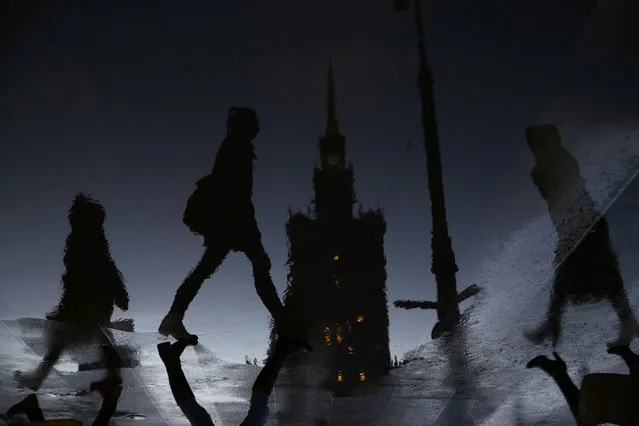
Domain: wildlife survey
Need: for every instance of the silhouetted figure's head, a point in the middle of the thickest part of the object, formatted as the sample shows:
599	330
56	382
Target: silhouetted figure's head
85	212
543	139
243	123
91	282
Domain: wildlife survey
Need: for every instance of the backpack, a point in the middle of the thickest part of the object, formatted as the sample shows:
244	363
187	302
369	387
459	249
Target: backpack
199	207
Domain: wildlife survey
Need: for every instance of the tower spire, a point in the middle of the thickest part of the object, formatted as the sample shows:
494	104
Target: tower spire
331	122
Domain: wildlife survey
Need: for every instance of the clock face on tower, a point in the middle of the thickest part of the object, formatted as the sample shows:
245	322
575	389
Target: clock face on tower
333	160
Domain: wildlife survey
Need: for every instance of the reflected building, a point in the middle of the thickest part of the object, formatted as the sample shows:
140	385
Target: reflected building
337	269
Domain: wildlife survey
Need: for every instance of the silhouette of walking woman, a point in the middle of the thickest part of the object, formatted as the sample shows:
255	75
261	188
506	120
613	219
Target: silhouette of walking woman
590	272
221	210
92	284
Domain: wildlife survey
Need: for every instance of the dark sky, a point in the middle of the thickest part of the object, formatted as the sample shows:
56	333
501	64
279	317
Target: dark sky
127	101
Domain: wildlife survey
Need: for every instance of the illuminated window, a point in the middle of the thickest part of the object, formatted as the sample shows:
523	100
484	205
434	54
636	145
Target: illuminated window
350	350
339	334
339	377
362	377
336	258
360	318
327	336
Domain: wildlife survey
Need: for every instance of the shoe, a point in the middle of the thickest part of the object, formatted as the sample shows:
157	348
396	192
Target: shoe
172	326
29	404
630	358
171	353
621	350
165	352
550	366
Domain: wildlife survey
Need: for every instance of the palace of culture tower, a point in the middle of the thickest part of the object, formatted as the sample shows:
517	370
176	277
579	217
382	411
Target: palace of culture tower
337	269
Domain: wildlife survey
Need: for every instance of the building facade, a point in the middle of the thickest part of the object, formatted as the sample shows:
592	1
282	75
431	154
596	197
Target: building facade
337	269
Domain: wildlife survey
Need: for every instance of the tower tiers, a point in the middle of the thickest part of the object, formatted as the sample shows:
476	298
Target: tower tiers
337	270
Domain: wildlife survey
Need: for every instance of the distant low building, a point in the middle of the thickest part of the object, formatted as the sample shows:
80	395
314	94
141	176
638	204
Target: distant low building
337	269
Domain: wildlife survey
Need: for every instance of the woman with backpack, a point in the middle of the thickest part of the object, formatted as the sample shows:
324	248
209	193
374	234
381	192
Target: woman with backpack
221	210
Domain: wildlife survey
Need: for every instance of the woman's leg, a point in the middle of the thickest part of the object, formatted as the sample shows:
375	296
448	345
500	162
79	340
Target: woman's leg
110	391
265	381
557	370
182	393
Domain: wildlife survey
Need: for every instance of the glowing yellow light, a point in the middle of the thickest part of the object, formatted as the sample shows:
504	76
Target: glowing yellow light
339	334
362	377
360	318
350	350
61	422
327	336
339	376
336	258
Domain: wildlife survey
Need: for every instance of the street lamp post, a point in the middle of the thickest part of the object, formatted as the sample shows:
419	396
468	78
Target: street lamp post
444	266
